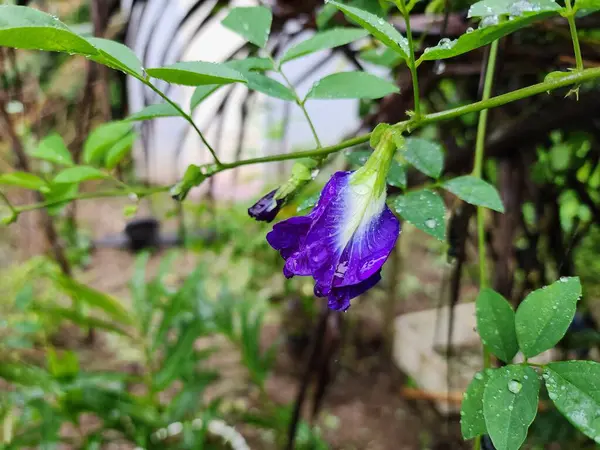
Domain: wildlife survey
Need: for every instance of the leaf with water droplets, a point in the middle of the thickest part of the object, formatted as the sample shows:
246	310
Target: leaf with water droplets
351	85
29	28
378	27
475	191
472	422
480	37
496	324
118	56
427	156
543	318
425	210
324	40
574	387
252	23
510	403
397	174
513	8
197	73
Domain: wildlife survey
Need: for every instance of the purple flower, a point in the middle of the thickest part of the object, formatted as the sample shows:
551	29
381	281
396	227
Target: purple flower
266	208
346	238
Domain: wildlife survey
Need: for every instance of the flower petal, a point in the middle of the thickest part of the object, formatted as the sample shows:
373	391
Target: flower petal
339	298
368	249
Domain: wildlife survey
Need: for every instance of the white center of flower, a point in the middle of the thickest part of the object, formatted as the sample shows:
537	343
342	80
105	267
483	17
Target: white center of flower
361	207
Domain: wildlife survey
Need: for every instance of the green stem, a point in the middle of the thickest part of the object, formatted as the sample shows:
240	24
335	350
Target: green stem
185	115
411	64
8	203
567	80
477	172
300	103
573	28
141	192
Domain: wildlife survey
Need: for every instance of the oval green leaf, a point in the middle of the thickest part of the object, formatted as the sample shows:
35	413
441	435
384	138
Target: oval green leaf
397	175
545	315
78	174
496	324
118	151
472	422
427	156
574	387
197	73
425	210
268	86
481	37
154	111
351	85
29	28
324	40
118	56
475	191
378	27
201	93
510	404
486	8
102	139
252	23
24	180
52	148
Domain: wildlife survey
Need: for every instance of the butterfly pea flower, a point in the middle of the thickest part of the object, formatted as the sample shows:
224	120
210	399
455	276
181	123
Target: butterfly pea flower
267	208
347	237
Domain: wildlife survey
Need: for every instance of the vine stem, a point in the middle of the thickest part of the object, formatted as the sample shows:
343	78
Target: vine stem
412	64
300	103
477	172
574	36
493	102
185	115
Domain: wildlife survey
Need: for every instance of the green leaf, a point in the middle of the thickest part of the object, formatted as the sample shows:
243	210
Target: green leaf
78	318
358	158
351	85
252	23
78	174
427	156
268	86
196	73
385	57
52	148
397	175
94	298
324	40
118	56
102	139
545	315
475	191
65	364
587	6
378	27
177	356
472	422
481	37
60	195
496	324
25	180
511	8
308	202
252	63
118	151
154	111
28	28
425	210
574	387
510	404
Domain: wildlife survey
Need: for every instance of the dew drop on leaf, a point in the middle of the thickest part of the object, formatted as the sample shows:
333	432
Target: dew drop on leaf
515	386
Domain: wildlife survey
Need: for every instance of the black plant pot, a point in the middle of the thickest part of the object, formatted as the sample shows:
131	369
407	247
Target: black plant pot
142	234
